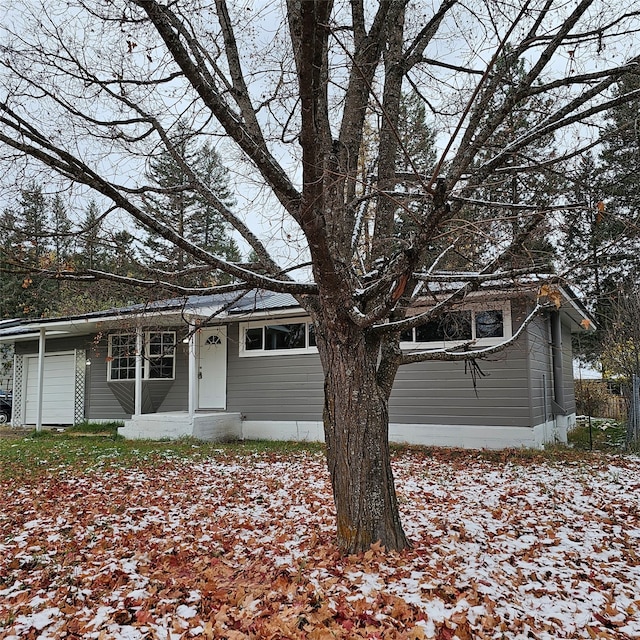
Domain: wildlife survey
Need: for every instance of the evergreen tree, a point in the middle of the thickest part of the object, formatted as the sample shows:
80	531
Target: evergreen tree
31	244
415	156
32	224
602	241
416	151
91	252
62	240
619	185
11	280
187	211
534	189
97	250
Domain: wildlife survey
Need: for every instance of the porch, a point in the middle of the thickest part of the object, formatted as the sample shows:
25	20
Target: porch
212	426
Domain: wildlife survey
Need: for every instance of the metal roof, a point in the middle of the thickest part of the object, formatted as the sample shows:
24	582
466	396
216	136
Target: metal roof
226	305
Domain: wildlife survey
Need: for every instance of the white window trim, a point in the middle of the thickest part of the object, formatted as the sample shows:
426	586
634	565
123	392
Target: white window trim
507	330
253	353
146	361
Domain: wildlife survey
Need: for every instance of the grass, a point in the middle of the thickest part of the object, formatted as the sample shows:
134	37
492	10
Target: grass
96	428
48	453
603	435
100	447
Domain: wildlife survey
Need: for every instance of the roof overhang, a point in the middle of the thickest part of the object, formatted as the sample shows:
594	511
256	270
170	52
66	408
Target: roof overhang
195	311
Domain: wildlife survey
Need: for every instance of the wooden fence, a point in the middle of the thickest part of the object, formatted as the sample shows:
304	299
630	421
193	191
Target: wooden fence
614	408
595	398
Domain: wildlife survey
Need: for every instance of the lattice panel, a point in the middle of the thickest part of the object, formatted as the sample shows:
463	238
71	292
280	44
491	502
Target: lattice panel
17	418
81	376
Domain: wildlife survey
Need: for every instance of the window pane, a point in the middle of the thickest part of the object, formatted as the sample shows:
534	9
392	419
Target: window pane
123	357
457	325
155	344
406	335
161	354
452	326
161	368
429	332
489	324
284	336
253	339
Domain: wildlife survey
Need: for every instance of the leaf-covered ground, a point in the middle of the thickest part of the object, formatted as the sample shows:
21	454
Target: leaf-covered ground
241	546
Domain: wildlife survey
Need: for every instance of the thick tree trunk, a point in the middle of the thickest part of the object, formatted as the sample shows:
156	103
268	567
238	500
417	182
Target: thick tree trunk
356	425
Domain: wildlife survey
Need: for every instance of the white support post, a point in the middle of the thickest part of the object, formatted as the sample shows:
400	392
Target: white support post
138	382
41	346
193	370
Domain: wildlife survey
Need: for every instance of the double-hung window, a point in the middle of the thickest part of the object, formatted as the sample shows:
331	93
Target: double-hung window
158	353
274	337
485	326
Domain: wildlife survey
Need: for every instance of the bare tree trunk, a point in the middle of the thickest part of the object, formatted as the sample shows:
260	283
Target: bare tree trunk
356	425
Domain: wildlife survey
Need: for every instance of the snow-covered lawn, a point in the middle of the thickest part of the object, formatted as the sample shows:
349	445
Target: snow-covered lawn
242	547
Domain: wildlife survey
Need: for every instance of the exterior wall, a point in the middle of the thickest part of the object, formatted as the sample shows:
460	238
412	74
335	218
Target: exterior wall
567	371
289	389
281	396
540	373
442	393
273	388
102	404
106	399
550	427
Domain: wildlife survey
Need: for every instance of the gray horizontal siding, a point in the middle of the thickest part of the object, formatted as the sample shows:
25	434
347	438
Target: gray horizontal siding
102	404
540	370
177	398
567	370
53	345
164	395
291	388
274	387
441	393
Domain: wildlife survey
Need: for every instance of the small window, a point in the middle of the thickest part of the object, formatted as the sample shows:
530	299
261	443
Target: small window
158	352
161	354
267	338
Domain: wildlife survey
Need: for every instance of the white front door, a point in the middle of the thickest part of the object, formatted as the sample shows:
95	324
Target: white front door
212	372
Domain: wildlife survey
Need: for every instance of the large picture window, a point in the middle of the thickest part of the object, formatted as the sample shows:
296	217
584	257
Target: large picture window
158	352
272	337
485	326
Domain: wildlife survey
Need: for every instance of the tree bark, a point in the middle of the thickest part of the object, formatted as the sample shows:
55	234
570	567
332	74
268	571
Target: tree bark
356	426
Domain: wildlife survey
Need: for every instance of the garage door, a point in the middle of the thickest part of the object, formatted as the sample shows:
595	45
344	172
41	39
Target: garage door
58	395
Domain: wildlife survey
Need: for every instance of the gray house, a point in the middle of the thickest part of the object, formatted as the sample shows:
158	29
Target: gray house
217	367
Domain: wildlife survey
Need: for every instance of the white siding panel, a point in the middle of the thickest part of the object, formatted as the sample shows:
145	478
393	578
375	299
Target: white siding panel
59	389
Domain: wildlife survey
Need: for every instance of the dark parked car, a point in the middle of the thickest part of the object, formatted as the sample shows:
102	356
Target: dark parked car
5	406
